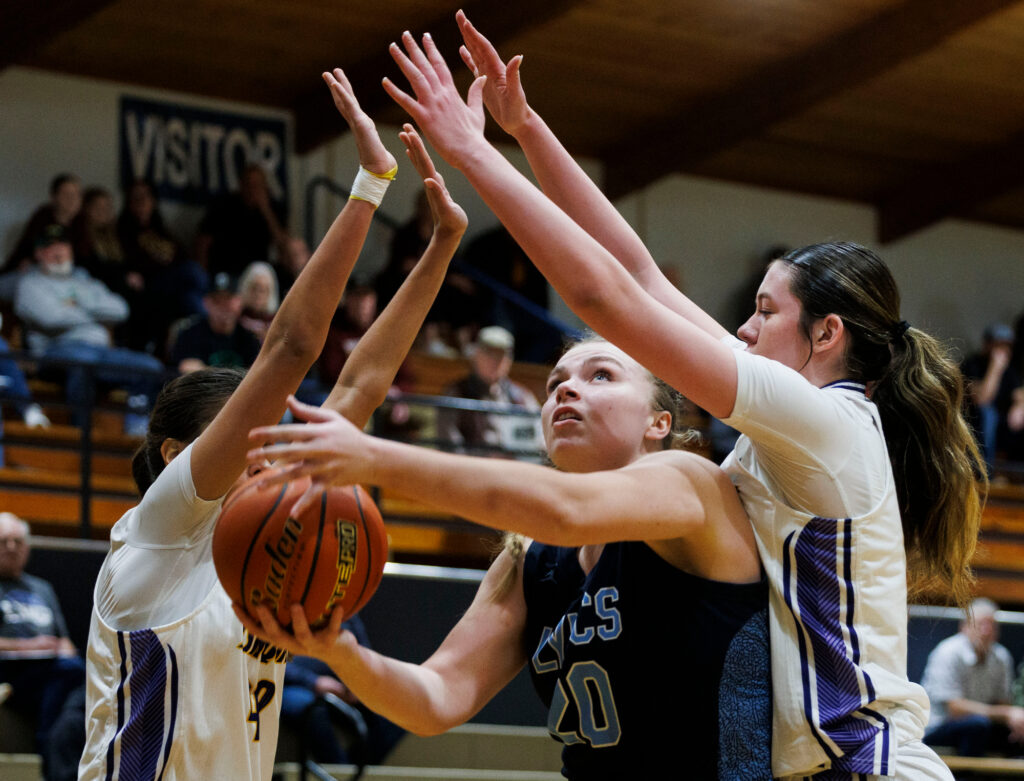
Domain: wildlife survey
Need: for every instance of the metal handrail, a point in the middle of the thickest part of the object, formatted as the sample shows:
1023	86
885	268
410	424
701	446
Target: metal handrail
88	448
502	291
84	410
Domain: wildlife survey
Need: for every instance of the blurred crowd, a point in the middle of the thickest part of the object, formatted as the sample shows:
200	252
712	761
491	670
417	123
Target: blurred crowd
117	291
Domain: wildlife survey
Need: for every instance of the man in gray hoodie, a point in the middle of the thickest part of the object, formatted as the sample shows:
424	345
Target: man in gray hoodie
66	314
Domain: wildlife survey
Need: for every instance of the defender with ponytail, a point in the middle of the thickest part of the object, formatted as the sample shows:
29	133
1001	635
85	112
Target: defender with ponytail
918	390
848	419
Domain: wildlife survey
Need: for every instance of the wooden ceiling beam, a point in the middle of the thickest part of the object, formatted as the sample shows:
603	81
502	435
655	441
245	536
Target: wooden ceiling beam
315	118
29	25
952	190
786	88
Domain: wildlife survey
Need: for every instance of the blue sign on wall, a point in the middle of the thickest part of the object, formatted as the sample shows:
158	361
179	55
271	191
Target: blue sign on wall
192	155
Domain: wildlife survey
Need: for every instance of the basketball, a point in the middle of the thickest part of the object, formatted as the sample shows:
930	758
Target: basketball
332	555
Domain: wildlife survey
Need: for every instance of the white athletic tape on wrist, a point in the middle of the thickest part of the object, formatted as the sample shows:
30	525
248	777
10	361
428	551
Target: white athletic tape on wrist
370	187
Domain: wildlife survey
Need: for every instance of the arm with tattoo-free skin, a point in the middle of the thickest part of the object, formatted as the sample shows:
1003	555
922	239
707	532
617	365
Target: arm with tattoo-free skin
298	330
370	370
561	177
586	275
478	658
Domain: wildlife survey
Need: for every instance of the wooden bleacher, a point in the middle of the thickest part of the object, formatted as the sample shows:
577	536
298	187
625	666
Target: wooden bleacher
41	478
41	481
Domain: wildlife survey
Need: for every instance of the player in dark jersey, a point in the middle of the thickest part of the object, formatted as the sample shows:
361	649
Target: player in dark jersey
639	602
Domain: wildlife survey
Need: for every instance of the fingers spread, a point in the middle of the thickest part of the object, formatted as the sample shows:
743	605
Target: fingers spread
419	59
444	76
404	100
468	59
417	80
342	79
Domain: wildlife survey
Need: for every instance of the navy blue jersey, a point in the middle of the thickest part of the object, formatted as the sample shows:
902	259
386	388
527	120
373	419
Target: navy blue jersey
645	667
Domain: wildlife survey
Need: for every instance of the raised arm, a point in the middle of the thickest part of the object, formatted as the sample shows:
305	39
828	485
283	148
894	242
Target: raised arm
561	177
477	659
368	373
680	490
588	277
299	328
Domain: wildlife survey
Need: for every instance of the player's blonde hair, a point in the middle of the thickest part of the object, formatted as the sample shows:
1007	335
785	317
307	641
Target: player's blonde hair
664	398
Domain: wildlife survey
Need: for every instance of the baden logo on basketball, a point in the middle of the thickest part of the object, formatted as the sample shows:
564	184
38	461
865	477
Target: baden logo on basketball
280	556
332	555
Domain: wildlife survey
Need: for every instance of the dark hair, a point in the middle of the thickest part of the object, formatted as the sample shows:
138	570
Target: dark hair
919	391
184	407
92	193
126	221
59	181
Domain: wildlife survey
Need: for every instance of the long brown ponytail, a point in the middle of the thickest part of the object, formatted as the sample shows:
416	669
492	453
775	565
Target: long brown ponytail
918	389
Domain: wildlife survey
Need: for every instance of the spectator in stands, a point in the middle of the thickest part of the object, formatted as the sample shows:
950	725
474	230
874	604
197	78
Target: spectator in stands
64	204
242	226
67	316
968	679
353	318
457	311
314	699
295	258
258	289
991	380
1015	426
14	391
496	254
170	285
216	338
98	250
489	432
96	243
37	658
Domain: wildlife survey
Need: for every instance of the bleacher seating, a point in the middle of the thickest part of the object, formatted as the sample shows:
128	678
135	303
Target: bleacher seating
42	482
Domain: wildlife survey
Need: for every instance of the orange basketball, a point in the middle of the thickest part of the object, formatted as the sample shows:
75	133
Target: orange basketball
333	554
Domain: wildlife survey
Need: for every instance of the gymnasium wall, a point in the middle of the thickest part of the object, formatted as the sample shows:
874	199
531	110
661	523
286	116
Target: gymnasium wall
415	607
955	277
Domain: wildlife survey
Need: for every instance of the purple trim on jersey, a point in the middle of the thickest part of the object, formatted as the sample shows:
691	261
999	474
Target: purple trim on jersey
142	737
860	387
174	708
826	632
120	704
836	775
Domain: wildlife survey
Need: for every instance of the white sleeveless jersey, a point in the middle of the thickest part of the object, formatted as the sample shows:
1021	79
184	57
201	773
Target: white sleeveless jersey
814	476
176	688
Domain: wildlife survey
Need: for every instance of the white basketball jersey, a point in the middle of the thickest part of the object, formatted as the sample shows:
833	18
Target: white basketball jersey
175	687
196	699
814	476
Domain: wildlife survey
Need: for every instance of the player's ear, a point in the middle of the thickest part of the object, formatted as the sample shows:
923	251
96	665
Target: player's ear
170	448
827	333
660	427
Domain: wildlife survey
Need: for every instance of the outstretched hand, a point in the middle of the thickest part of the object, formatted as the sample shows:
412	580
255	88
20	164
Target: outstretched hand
454	127
449	218
328	448
503	91
373	155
